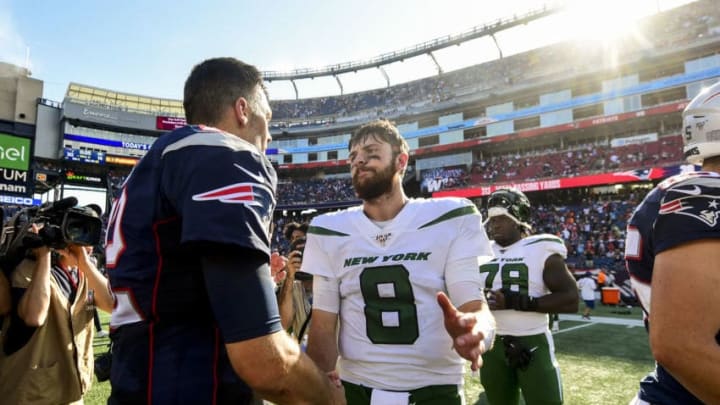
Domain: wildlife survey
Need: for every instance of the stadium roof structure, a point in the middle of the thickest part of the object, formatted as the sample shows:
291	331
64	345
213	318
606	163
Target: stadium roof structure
424	48
91	95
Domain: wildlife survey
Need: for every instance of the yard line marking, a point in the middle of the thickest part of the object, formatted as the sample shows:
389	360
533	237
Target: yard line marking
585	325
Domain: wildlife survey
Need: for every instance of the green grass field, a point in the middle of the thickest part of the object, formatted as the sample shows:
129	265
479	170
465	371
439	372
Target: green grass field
601	364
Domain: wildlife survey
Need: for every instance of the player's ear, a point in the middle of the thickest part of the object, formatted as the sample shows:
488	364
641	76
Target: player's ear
241	109
402	161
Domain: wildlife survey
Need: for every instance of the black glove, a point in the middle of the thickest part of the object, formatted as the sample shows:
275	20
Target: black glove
516	354
519	302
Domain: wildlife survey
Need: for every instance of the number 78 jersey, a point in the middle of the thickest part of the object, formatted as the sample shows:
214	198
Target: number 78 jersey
392	334
519	267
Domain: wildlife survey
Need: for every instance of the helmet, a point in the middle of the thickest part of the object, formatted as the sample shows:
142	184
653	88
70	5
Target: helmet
512	203
701	120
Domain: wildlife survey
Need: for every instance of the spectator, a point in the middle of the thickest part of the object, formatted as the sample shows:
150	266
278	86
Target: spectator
294	231
587	288
48	352
295	294
196	319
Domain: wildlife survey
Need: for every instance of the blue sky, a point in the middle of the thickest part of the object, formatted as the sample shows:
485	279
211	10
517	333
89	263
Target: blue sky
148	47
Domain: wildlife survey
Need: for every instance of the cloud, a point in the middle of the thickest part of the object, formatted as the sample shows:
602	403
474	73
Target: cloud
13	48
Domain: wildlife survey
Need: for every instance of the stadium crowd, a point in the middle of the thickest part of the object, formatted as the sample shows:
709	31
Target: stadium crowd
698	20
578	160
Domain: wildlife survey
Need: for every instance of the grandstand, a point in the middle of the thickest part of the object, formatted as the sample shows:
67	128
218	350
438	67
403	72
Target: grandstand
575	119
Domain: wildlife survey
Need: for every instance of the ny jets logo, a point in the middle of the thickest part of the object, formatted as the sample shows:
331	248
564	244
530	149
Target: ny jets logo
383	238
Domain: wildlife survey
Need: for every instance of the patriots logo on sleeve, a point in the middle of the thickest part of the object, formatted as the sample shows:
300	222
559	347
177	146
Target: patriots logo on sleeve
693	202
251	194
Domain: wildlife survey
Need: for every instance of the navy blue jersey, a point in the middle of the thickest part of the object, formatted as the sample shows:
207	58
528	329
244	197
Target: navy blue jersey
196	190
680	209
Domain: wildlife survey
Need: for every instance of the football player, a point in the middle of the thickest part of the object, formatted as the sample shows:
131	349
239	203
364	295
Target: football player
381	269
525	281
196	320
672	251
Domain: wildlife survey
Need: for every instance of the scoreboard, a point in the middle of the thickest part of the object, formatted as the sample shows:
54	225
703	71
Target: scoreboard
84	156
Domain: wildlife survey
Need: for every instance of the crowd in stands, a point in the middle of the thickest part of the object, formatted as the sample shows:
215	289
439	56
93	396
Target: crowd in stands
697	20
579	160
311	191
593	228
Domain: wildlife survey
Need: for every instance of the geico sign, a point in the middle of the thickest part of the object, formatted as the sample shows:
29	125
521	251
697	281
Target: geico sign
8	199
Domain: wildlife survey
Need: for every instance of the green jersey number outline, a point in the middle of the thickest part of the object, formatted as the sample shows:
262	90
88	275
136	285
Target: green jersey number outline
508	279
402	303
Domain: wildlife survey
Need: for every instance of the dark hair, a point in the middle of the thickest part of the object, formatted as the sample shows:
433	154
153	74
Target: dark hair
382	130
214	85
292	227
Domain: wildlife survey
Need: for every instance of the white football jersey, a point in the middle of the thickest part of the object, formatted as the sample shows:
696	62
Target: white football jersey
519	267
391	332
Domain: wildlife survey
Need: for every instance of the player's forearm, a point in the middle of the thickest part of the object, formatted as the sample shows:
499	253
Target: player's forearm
303	383
35	302
558	302
281	373
99	284
323	351
285	302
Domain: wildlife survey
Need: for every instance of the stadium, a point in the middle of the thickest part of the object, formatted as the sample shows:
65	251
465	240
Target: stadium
585	139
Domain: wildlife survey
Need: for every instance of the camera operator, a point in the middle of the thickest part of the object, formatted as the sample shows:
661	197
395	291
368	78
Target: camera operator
47	355
294	296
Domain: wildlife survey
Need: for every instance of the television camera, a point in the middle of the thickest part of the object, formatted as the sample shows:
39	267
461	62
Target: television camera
62	222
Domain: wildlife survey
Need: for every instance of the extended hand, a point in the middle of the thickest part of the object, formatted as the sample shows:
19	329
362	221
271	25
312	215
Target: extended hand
496	300
277	267
464	331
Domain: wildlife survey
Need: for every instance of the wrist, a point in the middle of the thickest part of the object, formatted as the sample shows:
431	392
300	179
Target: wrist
487	328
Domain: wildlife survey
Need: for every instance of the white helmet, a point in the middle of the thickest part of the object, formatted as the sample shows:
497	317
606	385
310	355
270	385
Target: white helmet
701	120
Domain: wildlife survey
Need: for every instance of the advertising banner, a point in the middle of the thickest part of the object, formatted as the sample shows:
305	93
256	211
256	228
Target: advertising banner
630	176
169	123
15	178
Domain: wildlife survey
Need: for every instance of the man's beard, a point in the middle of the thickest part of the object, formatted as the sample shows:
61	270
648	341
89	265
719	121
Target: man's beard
373	187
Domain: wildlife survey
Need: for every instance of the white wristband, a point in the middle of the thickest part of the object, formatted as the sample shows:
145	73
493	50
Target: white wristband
487	327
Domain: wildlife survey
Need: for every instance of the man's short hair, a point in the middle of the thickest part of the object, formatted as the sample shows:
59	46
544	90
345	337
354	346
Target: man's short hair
292	227
214	85
382	130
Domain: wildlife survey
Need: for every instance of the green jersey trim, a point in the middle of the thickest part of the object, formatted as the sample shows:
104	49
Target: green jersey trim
549	239
457	212
319	230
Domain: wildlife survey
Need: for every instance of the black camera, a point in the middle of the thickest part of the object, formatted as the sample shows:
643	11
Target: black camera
62	223
299	245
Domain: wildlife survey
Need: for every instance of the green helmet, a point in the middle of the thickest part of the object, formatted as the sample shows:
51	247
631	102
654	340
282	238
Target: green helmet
512	203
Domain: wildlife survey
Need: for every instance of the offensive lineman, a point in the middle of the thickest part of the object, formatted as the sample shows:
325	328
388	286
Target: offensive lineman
673	251
527	280
378	269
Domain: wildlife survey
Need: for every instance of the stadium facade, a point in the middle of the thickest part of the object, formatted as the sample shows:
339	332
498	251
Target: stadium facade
558	117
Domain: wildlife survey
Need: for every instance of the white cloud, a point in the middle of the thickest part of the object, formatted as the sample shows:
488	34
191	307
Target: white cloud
13	48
